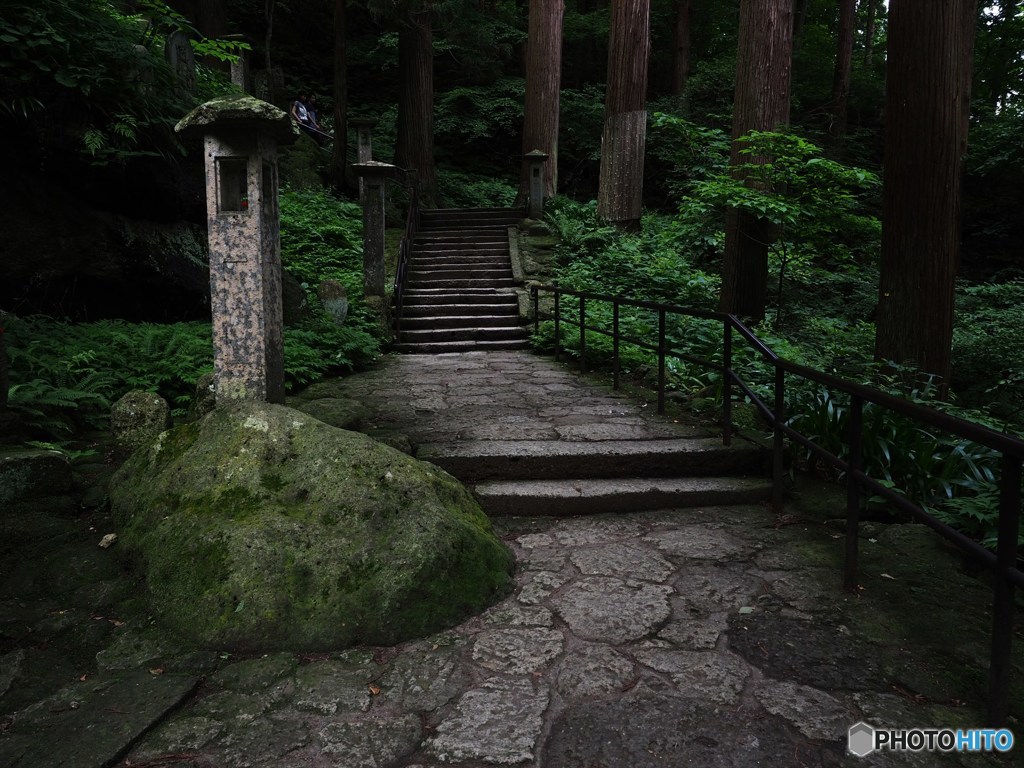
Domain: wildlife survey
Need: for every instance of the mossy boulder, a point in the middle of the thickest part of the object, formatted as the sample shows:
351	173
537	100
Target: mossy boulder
260	528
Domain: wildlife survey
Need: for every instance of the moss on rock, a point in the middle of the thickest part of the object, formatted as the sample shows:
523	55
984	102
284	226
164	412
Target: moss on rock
261	528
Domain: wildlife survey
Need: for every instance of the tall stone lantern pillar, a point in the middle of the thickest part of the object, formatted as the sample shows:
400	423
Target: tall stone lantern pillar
364	143
535	165
240	137
372	177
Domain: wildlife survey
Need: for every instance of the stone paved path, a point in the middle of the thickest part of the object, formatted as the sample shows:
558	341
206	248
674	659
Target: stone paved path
703	637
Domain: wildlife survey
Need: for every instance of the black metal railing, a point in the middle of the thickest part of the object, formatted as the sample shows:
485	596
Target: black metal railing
412	223
1003	562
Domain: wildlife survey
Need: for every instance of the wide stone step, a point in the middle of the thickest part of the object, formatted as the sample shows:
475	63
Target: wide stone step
434	216
455	273
583	496
460	321
483	231
461	236
434	296
552	459
478	345
510	307
479	248
477	333
458	259
462	282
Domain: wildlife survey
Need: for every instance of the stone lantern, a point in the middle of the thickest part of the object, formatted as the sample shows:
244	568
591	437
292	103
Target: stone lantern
535	167
240	137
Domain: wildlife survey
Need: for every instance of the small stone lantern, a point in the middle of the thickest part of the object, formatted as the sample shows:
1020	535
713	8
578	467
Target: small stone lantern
535	163
240	138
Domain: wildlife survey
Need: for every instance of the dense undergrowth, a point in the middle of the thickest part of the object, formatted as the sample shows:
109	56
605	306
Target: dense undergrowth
64	376
823	286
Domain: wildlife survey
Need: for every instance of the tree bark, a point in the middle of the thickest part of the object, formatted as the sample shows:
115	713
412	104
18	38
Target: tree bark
268	9
543	81
340	152
763	66
869	32
928	89
843	70
800	8
621	182
414	145
681	60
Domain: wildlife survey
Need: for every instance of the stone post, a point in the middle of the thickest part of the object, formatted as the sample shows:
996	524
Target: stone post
372	176
364	142
535	161
240	138
240	71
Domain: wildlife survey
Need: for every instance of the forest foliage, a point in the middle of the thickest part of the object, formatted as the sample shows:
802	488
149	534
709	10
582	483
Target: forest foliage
87	82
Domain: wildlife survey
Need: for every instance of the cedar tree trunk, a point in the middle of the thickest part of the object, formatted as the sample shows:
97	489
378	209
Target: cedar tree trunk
842	72
869	32
543	80
927	105
621	183
338	157
681	60
762	104
414	146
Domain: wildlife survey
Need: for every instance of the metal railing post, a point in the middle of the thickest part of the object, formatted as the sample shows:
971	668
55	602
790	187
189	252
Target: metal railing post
558	322
535	295
778	441
855	439
1000	664
583	334
727	384
615	344
661	361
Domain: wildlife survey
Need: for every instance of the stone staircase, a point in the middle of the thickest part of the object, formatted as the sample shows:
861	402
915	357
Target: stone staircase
459	293
542	477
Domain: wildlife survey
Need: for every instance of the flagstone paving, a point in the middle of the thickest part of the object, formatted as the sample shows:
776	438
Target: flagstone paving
707	637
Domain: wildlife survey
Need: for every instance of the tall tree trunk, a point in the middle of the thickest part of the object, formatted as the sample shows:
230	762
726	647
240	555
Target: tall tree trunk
842	72
800	8
268	10
621	183
928	87
543	80
414	146
338	156
681	59
763	66
869	32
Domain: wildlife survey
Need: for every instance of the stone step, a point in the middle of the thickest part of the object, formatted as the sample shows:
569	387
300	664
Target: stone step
435	216
460	236
478	248
457	258
441	347
585	496
456	273
484	460
483	231
461	296
430	310
472	333
461	283
460	321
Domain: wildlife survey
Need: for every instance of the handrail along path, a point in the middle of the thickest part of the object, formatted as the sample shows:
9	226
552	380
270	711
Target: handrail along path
1003	562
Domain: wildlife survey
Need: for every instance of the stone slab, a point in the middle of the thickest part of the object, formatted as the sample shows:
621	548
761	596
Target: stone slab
102	725
498	723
